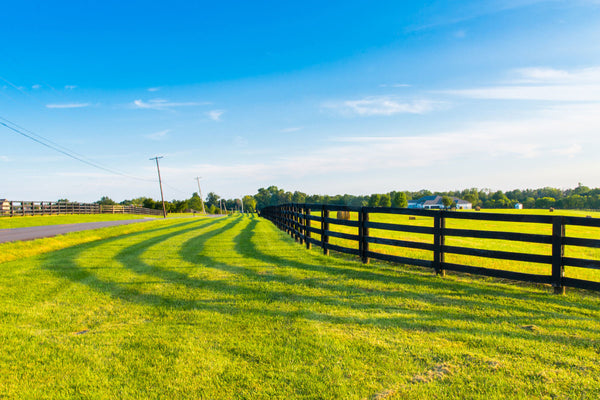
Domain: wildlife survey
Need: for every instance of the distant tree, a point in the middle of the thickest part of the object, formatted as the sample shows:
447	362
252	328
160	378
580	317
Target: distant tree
298	197
212	199
545	202
581	190
358	202
106	201
249	203
179	206
447	201
472	198
385	201
399	200
271	196
63	200
374	200
421	193
149	203
573	202
194	202
529	202
138	201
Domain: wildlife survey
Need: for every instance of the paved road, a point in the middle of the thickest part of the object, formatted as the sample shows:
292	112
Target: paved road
36	232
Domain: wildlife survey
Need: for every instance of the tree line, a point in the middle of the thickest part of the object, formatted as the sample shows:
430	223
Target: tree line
580	197
213	204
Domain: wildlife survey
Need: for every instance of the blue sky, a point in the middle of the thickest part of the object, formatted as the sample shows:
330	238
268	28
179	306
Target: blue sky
322	97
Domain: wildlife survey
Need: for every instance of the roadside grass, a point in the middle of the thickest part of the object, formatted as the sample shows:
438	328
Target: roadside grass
23	249
27	221
232	308
486	244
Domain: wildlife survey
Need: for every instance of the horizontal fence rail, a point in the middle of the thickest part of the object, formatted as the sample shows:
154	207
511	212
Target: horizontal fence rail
304	221
33	208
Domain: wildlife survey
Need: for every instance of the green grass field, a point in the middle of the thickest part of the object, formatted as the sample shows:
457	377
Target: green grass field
487	244
232	308
24	222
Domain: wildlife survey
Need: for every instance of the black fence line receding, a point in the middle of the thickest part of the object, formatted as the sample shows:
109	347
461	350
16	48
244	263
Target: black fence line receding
295	219
34	208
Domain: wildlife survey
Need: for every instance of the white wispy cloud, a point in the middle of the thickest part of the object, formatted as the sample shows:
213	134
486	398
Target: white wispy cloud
215	115
541	83
36	86
68	105
4	159
573	93
382	106
70	87
162	104
158	135
534	146
153	89
555	76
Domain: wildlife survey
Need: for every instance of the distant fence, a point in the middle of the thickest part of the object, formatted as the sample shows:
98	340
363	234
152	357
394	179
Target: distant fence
30	208
296	220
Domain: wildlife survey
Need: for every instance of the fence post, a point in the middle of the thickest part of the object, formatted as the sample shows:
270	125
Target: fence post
288	219
558	251
363	234
439	224
324	227
307	226
280	220
300	223
295	224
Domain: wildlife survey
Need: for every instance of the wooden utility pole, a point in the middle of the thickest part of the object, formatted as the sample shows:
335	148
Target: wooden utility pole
162	197
200	193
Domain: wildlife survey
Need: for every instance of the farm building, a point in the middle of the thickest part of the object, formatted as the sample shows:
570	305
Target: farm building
518	206
435	202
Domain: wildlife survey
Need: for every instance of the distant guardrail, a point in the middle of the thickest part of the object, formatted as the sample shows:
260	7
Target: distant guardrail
296	219
32	208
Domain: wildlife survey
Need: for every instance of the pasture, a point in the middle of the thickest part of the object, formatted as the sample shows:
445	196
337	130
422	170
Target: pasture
27	221
232	308
484	244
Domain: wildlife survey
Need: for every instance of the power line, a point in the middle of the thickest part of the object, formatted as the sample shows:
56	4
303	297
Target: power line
70	153
63	150
41	137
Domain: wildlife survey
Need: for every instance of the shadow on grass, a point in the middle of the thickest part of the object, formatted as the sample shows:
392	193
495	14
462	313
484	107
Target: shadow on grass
459	299
414	294
63	263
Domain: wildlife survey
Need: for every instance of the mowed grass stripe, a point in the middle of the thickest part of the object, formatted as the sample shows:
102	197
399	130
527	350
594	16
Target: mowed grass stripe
232	308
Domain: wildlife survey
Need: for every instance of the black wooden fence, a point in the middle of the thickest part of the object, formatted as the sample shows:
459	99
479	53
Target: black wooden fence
296	220
31	208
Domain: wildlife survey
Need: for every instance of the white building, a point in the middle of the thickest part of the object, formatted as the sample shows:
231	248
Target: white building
435	202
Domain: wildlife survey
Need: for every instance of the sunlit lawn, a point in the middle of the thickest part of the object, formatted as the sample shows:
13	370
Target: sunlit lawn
27	221
232	308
